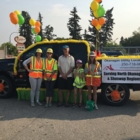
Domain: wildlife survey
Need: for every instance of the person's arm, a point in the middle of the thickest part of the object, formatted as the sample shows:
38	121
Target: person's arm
86	68
99	69
82	75
60	70
75	73
71	66
70	71
55	69
26	62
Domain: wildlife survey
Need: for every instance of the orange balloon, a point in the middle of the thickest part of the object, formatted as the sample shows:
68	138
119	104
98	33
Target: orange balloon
13	18
12	14
99	1
94	22
101	21
38	24
98	27
37	29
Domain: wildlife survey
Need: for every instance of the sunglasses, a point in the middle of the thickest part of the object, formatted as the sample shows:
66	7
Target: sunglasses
49	53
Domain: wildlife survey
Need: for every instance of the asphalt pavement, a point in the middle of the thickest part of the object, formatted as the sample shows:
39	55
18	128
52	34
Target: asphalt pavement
20	121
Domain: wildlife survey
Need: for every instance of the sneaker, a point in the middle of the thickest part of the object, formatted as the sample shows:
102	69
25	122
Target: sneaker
32	104
46	105
96	107
59	104
38	103
50	104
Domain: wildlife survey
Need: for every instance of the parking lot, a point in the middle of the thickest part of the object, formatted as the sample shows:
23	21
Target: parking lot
19	121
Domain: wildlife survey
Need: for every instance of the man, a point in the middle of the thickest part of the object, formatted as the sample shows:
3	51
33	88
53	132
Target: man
66	64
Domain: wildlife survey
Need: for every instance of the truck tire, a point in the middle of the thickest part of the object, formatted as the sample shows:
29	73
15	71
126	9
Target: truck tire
6	87
122	91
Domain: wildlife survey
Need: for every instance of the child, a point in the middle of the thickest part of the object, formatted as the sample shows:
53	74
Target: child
93	77
79	81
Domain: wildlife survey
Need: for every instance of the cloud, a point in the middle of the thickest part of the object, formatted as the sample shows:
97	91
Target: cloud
59	10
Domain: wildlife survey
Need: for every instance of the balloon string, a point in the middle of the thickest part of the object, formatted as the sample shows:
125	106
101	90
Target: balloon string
97	40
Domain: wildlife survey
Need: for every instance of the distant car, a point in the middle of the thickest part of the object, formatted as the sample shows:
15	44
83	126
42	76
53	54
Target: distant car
112	53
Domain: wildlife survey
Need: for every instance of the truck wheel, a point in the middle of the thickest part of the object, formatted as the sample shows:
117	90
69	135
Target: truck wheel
115	94
6	87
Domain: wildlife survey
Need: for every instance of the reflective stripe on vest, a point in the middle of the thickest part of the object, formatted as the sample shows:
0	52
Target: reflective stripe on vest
95	69
36	68
89	76
49	69
79	82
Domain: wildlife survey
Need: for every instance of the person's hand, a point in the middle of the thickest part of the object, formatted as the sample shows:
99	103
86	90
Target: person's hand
29	70
64	76
49	79
92	73
77	72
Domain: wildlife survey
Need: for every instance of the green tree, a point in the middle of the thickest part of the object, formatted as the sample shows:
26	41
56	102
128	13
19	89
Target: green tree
91	33
61	38
48	32
85	35
107	29
41	30
25	29
11	49
133	40
73	25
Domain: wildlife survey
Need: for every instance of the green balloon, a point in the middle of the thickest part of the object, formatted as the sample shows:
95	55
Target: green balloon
38	38
101	11
20	19
33	31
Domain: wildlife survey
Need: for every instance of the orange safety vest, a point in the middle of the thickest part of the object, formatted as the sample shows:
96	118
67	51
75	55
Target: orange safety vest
93	80
36	67
49	69
95	70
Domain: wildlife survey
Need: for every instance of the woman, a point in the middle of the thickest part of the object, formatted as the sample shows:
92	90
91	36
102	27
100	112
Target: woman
35	75
93	76
50	76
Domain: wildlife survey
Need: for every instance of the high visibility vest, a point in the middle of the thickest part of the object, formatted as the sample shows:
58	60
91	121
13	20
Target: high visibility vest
48	68
95	70
94	80
79	82
36	68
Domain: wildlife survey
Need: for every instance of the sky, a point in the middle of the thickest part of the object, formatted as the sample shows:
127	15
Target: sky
57	12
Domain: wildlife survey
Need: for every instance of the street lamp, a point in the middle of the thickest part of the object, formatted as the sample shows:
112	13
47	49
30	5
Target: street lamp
11	35
9	42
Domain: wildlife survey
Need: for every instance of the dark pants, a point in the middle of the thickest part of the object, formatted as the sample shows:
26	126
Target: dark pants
66	84
49	88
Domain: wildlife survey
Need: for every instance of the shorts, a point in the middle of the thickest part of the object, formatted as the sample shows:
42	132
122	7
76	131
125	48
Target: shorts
65	83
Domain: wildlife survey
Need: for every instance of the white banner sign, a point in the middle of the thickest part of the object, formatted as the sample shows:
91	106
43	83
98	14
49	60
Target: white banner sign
121	71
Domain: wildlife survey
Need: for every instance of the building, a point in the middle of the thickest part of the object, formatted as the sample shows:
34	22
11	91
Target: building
2	54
